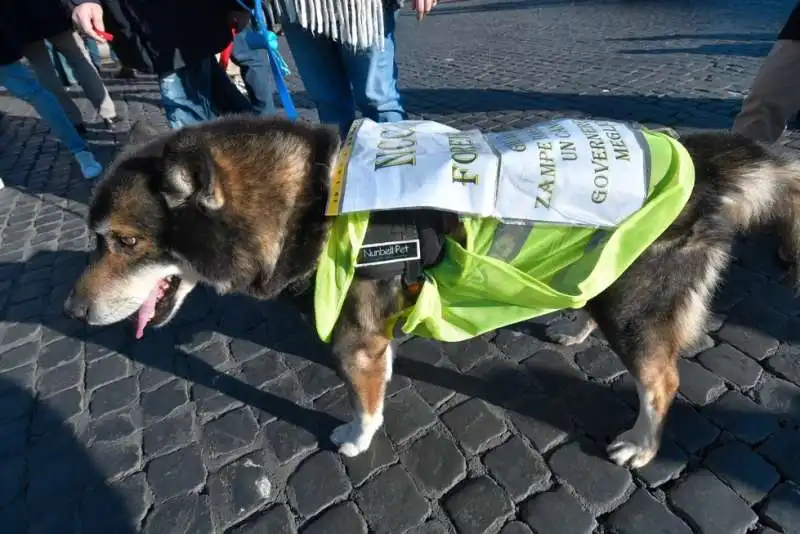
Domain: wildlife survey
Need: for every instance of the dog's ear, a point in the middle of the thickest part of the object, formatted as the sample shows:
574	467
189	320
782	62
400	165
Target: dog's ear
190	172
141	133
326	145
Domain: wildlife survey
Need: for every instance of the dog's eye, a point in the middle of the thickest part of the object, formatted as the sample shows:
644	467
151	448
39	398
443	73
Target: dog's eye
128	241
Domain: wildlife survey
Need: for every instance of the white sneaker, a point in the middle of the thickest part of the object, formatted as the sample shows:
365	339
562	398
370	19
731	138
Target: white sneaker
90	167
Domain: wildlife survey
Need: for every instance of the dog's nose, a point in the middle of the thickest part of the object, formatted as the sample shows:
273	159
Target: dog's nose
76	307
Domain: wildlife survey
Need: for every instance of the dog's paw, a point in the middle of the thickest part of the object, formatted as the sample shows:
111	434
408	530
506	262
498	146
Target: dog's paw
628	451
668	131
562	338
351	438
567	332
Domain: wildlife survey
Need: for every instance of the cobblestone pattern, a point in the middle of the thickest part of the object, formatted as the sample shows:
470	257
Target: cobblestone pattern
220	422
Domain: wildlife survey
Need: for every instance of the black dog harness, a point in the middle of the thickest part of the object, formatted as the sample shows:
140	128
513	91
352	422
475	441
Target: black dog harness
401	243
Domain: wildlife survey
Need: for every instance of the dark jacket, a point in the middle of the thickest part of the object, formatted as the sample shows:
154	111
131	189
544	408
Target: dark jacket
10	44
11	40
161	36
791	30
26	21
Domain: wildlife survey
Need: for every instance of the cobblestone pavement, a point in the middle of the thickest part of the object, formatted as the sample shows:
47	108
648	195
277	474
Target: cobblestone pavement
220	422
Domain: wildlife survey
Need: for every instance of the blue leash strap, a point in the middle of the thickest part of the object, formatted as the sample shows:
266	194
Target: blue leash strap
263	38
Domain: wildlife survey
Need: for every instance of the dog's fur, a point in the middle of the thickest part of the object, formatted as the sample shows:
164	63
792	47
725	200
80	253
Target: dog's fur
238	204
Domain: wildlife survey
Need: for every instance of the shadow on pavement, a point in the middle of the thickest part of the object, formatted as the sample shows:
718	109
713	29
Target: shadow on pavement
678	112
34	162
719	49
541	389
48	482
701	37
234	316
445	9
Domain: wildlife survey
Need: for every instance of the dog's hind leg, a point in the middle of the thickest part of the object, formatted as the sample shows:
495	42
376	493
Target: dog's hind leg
656	309
655	371
648	337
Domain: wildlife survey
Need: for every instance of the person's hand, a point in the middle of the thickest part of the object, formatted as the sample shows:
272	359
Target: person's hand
423	7
239	20
89	18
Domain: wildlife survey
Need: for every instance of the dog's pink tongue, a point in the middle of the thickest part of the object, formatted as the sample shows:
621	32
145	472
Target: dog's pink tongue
146	311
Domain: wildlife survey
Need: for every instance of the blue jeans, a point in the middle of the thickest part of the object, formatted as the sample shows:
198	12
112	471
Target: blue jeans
22	83
63	69
94	52
199	92
62	65
339	79
256	73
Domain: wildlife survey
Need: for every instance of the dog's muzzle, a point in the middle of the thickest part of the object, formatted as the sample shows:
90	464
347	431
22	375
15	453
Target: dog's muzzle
76	307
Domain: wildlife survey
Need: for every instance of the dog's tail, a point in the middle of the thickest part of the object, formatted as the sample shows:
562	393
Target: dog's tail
762	190
741	184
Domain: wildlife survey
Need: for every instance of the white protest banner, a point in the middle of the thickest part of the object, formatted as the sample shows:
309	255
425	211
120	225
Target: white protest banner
413	164
580	172
572	171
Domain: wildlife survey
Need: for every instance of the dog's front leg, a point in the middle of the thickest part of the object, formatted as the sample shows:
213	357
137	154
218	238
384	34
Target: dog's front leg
366	366
655	372
365	359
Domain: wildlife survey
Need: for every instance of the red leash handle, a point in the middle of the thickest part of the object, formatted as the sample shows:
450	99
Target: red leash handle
225	55
105	35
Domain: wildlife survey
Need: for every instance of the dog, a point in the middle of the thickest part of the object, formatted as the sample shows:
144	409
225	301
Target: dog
238	204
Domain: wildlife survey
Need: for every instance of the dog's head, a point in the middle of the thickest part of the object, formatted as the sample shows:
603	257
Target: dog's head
206	204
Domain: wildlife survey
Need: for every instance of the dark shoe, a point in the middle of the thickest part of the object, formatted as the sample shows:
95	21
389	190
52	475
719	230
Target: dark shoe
794	123
81	128
125	73
111	122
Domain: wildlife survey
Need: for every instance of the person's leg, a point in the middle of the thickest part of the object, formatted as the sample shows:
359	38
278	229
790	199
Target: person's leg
373	77
774	96
66	68
71	45
323	73
256	73
62	69
223	94
124	72
94	52
184	95
39	60
22	83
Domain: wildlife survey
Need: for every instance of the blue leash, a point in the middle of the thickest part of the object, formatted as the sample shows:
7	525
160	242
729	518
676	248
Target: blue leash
263	38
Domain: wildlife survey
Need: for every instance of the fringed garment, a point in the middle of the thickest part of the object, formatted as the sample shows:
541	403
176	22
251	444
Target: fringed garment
358	23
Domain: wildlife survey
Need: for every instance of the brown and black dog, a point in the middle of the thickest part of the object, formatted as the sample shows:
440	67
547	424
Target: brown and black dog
238	204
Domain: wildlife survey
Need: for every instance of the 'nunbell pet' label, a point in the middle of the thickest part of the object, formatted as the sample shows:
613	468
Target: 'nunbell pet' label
390	252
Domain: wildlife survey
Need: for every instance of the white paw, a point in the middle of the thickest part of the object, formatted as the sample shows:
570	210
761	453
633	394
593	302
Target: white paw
352	438
626	452
564	339
569	333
